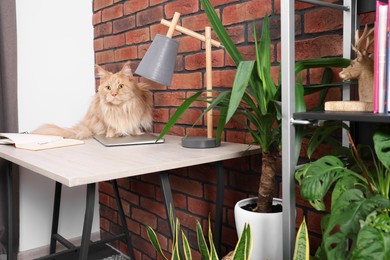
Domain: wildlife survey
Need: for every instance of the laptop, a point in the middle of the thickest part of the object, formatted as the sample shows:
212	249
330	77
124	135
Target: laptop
145	138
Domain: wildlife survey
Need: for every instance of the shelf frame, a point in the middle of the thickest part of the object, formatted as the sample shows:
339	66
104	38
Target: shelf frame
288	106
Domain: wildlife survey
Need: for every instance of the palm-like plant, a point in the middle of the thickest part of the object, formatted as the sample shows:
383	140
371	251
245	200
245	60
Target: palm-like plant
256	96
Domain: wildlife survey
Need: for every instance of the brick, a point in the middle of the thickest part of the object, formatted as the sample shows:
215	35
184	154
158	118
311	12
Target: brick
98	45
160	115
126	53
322	46
188	44
322	20
156	2
112	13
153	206
114	41
124	24
133	6
104	224
104	199
106	188
104	57
190	117
168	99
183	7
103	29
200	207
189	187
149	16
196	22
161	29
223	78
236	33
130	197
246	11
198	60
143	189
186	220
216	3
108	213
137	36
97	18
144	217
100	4
187	81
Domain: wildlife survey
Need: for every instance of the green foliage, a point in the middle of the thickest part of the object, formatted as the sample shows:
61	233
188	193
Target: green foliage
302	246
207	251
358	225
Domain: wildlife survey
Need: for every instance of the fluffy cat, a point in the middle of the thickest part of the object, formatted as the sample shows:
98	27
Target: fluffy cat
121	107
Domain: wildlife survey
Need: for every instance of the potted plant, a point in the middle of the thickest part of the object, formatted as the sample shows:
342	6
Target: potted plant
255	96
358	224
181	247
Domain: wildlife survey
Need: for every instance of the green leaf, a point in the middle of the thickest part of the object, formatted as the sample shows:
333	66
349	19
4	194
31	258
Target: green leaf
316	178
372	244
244	245
186	247
203	248
153	239
346	214
243	74
220	30
213	251
302	247
382	147
179	112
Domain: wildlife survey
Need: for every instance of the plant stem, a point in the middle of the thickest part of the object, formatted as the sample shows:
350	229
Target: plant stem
360	162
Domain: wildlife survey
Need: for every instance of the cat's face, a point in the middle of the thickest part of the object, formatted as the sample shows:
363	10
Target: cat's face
116	88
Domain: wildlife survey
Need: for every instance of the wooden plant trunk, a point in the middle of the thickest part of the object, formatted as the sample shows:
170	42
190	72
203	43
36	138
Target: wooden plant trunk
267	182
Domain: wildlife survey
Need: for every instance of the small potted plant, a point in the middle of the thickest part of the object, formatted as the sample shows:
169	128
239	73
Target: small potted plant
358	224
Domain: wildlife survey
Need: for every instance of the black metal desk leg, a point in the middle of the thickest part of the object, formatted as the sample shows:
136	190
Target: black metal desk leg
88	218
170	208
10	207
56	215
123	219
219	207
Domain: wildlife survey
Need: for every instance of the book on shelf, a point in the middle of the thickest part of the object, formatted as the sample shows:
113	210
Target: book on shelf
380	56
36	142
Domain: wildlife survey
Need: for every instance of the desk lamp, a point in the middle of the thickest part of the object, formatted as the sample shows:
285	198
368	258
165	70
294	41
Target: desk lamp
158	65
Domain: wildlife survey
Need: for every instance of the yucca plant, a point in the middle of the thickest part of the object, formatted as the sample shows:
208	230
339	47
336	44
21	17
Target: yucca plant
358	224
242	250
256	96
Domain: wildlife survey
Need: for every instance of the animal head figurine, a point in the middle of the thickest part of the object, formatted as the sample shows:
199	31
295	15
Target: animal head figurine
362	67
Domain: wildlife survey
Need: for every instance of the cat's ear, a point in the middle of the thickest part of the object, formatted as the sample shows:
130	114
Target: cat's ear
126	70
100	72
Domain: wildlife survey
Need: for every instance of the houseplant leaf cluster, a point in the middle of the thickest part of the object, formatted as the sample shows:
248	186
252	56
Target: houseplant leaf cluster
181	248
358	225
257	97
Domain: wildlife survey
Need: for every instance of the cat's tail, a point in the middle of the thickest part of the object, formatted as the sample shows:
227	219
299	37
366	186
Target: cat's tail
79	131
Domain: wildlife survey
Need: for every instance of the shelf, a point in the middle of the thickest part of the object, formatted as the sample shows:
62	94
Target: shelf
344	116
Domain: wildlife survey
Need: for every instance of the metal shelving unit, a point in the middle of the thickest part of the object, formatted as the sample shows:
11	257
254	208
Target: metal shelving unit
288	105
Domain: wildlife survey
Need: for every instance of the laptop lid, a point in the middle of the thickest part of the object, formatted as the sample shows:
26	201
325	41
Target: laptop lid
145	138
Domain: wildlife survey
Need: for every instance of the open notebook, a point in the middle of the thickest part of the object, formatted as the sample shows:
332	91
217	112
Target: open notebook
128	140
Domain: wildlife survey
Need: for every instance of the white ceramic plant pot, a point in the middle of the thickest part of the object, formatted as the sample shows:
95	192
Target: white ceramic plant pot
266	230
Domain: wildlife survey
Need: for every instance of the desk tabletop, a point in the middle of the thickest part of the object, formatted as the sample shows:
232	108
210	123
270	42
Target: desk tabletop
92	162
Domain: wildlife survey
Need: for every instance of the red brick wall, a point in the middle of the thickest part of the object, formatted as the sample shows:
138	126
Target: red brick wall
125	29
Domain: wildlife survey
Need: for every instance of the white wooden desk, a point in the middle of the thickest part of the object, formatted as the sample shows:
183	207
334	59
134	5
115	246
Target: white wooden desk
91	163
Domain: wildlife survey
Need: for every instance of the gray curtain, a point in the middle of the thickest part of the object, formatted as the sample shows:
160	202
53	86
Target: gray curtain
8	113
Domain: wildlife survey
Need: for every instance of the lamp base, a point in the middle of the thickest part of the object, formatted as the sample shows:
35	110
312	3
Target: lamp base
199	142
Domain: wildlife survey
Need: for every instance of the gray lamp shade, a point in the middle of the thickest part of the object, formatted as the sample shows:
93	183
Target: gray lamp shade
159	61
